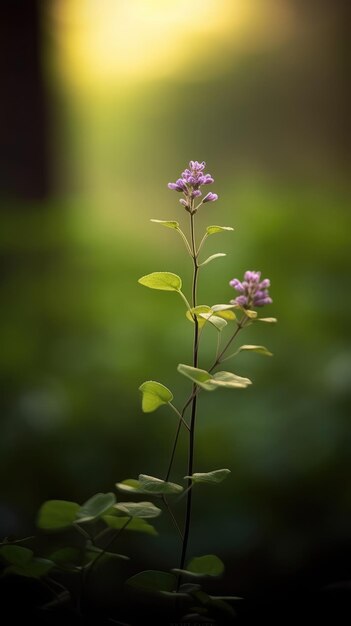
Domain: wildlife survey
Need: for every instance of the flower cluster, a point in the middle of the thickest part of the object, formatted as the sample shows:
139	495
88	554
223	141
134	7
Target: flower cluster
189	184
253	291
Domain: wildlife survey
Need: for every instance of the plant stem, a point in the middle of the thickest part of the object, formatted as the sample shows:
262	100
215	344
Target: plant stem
87	571
240	325
185	241
179	415
193	403
165	501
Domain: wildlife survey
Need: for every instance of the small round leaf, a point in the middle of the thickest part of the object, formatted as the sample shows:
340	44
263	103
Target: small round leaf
16	555
230	380
136	524
154	395
213	257
258	349
96	506
167	223
138	509
216	476
57	514
165	281
152	580
211	230
208	565
198	376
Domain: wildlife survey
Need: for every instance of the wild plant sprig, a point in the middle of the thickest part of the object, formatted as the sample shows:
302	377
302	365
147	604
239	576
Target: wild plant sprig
102	515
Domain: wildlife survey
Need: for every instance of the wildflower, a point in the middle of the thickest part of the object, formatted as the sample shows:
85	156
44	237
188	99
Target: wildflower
253	291
189	184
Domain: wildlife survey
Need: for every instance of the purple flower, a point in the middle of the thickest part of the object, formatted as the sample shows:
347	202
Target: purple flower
253	291
211	197
189	184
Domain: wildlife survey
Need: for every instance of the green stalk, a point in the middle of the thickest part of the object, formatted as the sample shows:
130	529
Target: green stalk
193	402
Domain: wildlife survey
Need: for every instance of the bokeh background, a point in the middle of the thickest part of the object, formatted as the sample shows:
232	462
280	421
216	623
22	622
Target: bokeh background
103	103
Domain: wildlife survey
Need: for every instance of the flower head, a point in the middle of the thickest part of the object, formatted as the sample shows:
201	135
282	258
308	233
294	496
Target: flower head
253	291
189	184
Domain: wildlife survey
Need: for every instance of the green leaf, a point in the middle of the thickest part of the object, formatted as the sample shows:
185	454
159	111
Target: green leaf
268	320
216	321
198	376
35	568
224	310
205	313
138	509
168	224
210	383
198	310
211	230
251	314
16	555
216	476
208	565
166	281
152	580
130	485
96	506
212	257
57	514
150	484
137	524
93	552
230	380
154	394
66	556
258	349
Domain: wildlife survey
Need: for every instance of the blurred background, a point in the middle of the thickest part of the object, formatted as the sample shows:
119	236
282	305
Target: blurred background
103	103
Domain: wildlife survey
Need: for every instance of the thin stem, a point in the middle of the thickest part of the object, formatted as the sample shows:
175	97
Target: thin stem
173	517
185	241
218	344
179	415
81	531
201	243
230	356
87	571
185	492
173	451
9	542
186	301
193	393
193	404
240	325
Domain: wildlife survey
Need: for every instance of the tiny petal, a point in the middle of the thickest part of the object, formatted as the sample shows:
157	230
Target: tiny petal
181	183
174	187
196	194
183	202
211	197
237	285
241	300
208	180
262	301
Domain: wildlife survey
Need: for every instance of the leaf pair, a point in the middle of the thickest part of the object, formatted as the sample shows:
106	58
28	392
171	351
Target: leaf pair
210	382
21	561
149	485
166	583
61	514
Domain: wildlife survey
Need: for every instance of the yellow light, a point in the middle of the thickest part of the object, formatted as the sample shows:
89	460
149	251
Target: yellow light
111	40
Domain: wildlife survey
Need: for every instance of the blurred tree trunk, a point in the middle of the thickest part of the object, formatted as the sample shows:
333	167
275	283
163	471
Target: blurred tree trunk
24	169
